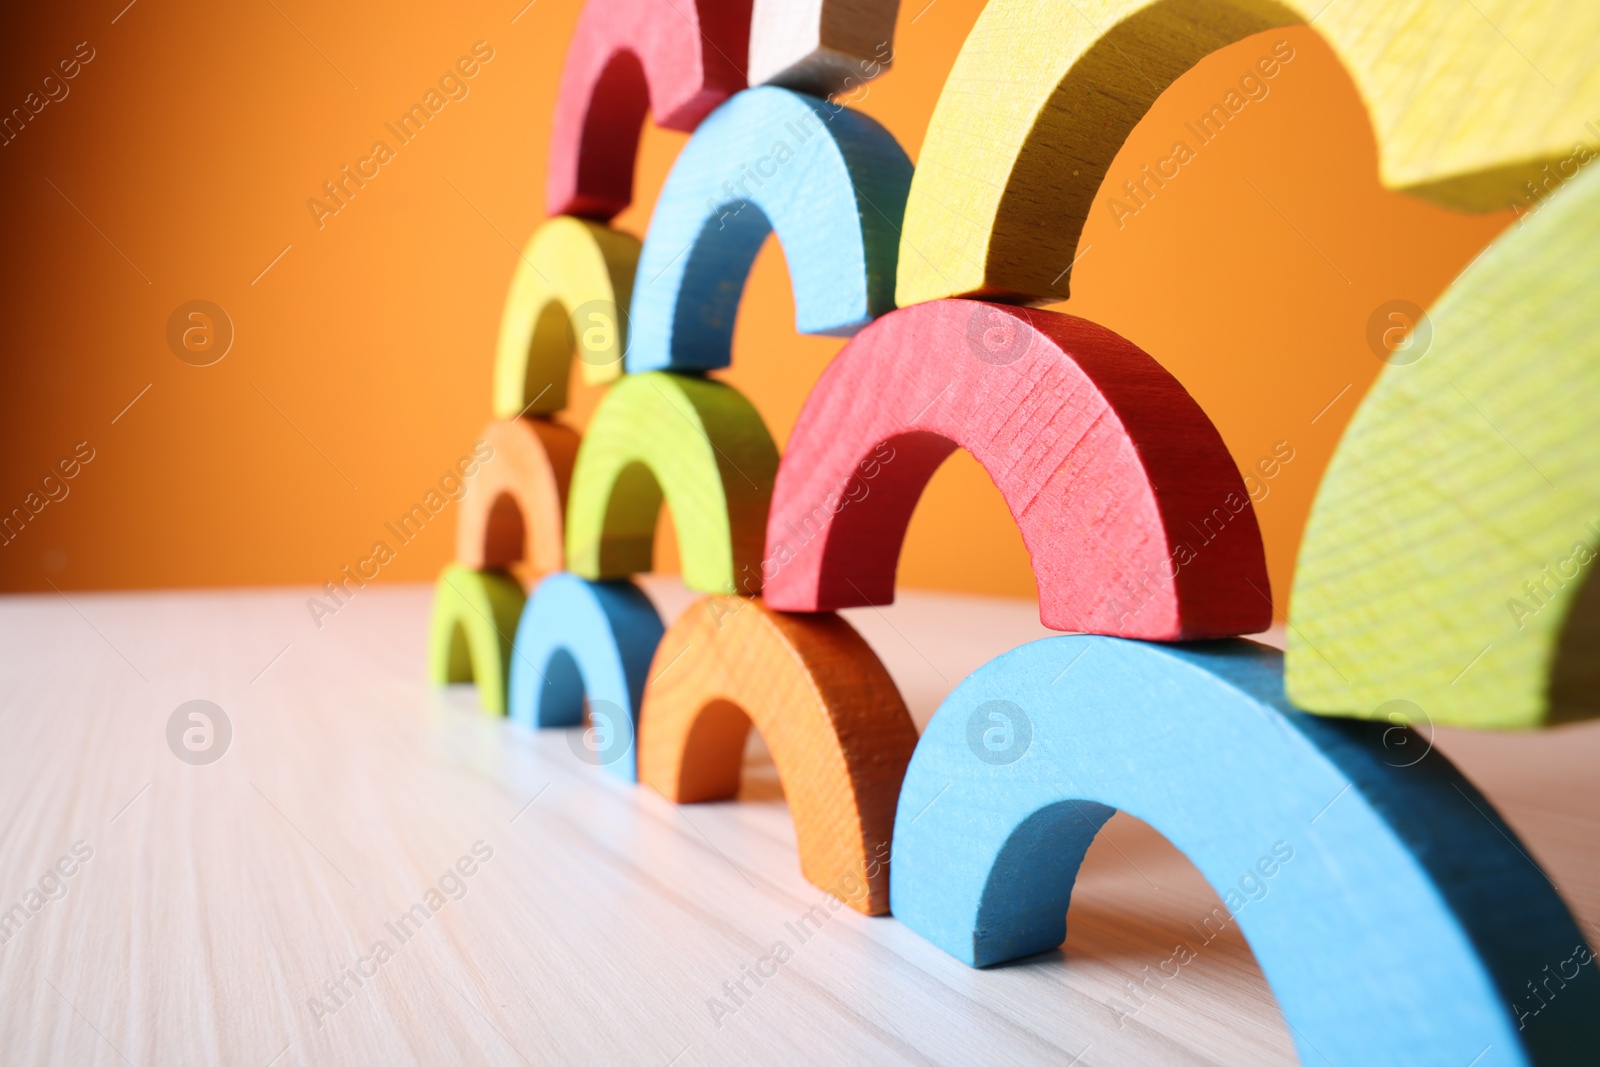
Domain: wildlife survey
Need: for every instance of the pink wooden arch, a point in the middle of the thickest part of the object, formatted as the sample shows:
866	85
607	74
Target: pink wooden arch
677	59
1136	519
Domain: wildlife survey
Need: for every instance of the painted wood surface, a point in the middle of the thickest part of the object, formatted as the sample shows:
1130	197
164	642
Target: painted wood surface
1394	914
675	59
511	517
569	297
1043	95
585	646
821	47
829	181
698	444
826	709
352	783
1445	571
1135	517
471	630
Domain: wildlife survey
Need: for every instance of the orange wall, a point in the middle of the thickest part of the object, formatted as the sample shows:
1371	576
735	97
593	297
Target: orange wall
180	163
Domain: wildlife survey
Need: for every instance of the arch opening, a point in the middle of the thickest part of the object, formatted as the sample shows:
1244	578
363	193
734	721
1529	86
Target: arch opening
505	534
458	656
713	753
633	512
616	113
552	332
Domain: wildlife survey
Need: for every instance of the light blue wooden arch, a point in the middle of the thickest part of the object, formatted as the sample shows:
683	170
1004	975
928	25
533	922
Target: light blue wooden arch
580	638
829	181
1408	927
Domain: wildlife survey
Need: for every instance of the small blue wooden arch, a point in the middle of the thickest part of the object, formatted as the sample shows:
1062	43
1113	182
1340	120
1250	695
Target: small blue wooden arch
829	181
578	638
1407	926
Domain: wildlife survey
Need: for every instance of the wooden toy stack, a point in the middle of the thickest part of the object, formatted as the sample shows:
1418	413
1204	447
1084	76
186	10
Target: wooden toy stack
1443	572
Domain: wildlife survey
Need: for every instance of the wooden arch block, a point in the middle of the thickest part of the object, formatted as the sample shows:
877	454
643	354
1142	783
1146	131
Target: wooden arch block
821	47
1044	94
1393	913
838	731
696	442
830	182
511	515
1134	514
471	630
1449	558
569	293
585	643
677	59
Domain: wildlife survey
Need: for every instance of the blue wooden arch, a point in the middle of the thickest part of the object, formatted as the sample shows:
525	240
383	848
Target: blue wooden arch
580	639
1406	925
829	181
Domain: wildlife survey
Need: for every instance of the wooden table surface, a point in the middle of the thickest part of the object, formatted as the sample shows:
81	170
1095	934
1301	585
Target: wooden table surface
219	899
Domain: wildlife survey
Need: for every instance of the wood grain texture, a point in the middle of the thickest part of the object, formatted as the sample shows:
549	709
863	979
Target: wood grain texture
697	443
1042	97
1445	572
827	710
471	630
568	296
511	518
676	59
220	898
829	181
1378	890
581	646
1135	517
821	47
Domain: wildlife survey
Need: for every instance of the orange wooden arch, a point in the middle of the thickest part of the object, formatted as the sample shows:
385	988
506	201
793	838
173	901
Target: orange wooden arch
512	515
839	733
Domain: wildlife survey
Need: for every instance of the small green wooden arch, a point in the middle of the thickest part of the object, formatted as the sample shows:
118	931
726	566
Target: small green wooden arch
701	446
470	635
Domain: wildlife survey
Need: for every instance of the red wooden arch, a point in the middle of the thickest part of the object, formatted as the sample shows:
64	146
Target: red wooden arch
1136	519
677	59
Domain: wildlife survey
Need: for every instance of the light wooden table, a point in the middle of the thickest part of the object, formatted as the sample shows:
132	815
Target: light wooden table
220	898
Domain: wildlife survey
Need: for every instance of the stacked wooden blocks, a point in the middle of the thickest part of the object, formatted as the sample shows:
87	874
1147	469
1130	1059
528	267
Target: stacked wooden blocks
1444	567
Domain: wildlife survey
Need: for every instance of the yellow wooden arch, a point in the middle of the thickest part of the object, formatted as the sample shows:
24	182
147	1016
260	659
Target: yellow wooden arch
1468	102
